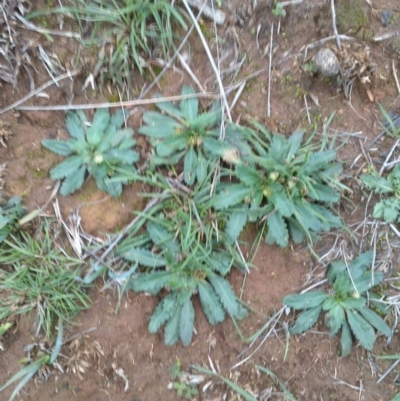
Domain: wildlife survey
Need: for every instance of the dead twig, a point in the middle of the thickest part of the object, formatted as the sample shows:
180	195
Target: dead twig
334	25
269	74
69	74
126	103
395	77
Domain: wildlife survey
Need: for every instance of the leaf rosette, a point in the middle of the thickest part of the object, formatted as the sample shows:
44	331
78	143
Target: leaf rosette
346	305
103	149
288	183
180	133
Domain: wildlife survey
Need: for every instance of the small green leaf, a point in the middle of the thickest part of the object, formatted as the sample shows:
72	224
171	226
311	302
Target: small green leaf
361	329
170	145
118	156
295	142
277	230
324	193
170	108
67	167
210	303
189	106
282	203
358	265
379	185
317	161
190	166
225	294
235	225
202	167
305	320
73	182
162	237
375	320
151	282
346	340
387	209
354	303
336	319
207	120
309	299
159	126
368	280
230	195
171	331
248	175
144	257
186	324
164	311
74	123
59	147
95	133
221	262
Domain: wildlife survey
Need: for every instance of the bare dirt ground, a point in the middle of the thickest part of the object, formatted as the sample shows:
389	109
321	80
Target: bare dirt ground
310	365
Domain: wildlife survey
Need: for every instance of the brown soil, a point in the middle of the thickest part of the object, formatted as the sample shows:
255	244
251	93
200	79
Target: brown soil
309	365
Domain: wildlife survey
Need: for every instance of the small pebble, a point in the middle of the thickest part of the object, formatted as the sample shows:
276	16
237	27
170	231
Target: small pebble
386	16
326	63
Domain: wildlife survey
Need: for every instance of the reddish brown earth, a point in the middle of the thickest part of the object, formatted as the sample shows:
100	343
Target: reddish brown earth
310	365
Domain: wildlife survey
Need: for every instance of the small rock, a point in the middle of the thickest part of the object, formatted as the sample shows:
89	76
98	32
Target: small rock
326	63
386	16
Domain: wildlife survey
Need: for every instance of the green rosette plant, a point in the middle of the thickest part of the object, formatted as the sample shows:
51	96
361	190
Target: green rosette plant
103	149
185	251
289	183
181	133
388	208
10	212
347	305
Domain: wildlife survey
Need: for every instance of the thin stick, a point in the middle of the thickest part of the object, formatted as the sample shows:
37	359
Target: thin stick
308	114
237	95
389	156
269	73
388	371
395	77
69	74
125	103
185	65
32	27
210	57
334	25
169	64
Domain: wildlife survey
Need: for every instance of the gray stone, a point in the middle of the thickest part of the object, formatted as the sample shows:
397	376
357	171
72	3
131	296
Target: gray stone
386	16
326	63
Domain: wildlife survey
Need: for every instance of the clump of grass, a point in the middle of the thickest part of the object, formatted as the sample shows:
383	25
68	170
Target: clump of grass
133	29
37	276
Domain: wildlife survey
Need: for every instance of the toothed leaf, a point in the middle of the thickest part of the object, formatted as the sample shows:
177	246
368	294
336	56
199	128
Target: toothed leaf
151	282
59	147
361	329
209	301
144	257
277	230
305	320
73	182
225	294
309	299
171	331
189	106
376	321
67	167
186	324
190	166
